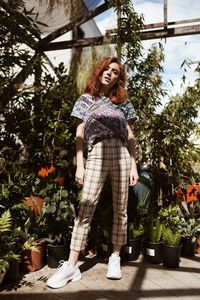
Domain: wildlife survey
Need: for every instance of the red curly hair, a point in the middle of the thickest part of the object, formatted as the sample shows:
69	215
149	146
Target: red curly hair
118	93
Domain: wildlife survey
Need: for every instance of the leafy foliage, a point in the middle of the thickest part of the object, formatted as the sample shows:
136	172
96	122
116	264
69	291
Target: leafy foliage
135	230
153	230
8	240
170	237
36	128
5	222
163	139
18	38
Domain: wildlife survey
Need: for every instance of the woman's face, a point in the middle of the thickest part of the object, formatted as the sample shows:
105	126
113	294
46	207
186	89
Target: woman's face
110	77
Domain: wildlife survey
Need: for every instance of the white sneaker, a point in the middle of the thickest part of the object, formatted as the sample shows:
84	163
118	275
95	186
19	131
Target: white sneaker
114	267
65	273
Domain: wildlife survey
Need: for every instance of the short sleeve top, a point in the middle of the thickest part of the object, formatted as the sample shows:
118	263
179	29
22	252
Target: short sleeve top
102	118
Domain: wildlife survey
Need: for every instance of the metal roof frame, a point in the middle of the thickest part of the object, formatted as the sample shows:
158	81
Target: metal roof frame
161	30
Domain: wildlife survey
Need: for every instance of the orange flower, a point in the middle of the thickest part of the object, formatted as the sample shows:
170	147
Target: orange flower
51	169
43	172
36	203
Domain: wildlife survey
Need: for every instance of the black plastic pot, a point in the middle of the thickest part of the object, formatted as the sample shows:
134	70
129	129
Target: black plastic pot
188	248
132	249
12	274
153	252
105	250
171	256
56	253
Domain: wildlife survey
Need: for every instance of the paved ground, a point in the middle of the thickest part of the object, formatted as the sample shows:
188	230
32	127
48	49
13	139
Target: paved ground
140	281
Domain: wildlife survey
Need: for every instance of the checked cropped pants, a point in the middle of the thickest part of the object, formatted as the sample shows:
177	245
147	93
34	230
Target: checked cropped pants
109	157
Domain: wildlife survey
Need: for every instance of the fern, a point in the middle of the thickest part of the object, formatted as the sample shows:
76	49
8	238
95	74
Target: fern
135	230
171	238
5	222
4	265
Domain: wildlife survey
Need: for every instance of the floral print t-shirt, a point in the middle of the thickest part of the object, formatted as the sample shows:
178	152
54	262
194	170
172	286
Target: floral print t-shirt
102	118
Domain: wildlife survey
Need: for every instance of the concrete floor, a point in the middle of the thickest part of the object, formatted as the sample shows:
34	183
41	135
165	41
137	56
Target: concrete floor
140	280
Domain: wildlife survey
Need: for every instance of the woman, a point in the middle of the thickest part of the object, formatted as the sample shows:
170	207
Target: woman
104	116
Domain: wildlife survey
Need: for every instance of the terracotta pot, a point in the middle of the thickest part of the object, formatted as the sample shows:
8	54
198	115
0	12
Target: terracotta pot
33	260
197	250
2	277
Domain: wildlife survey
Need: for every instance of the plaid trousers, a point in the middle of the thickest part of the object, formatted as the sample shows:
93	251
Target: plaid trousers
109	157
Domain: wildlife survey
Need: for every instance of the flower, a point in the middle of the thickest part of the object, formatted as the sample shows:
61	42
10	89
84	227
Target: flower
51	169
45	172
60	180
36	203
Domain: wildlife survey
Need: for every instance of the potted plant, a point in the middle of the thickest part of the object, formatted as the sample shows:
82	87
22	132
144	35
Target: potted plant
171	247
173	222
138	207
134	242
57	212
58	216
191	230
32	234
31	246
153	246
189	203
8	240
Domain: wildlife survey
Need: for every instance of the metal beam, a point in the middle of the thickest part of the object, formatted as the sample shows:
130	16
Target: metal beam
165	14
170	32
9	91
80	20
79	43
169	24
145	35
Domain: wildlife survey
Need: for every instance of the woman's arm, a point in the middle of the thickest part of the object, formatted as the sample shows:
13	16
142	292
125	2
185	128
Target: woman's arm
79	176
131	146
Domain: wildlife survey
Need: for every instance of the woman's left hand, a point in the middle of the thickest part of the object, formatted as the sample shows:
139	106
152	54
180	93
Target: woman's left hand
133	177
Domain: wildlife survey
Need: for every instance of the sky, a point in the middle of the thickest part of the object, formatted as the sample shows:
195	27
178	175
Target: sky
176	49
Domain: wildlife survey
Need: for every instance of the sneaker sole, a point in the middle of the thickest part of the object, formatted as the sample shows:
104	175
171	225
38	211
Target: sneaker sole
113	277
64	282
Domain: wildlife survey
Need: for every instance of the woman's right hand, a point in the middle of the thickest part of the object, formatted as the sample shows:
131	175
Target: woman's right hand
79	176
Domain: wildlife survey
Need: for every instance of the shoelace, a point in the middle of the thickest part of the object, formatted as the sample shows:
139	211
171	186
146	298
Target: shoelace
61	262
